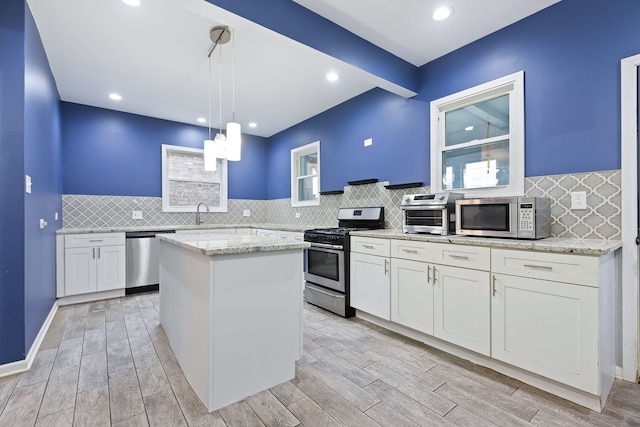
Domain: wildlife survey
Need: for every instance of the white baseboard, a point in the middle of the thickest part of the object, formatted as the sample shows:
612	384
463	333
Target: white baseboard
24	365
92	296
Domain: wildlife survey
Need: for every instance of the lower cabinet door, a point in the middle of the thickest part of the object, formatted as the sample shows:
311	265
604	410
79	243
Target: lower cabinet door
370	284
80	270
549	328
462	307
411	295
110	267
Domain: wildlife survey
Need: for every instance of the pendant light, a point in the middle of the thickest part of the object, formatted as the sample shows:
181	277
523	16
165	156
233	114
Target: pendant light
216	148
234	133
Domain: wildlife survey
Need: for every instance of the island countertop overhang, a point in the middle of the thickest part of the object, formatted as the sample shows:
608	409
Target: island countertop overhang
224	244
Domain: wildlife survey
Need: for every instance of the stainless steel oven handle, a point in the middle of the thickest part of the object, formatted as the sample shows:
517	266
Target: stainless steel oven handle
327	246
316	289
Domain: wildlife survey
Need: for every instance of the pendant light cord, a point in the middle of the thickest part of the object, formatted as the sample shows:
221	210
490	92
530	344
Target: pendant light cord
233	76
209	80
220	77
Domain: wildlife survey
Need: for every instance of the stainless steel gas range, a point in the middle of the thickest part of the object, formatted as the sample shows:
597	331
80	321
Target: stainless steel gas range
327	261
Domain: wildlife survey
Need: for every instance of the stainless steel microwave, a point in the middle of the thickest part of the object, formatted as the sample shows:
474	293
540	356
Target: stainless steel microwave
513	217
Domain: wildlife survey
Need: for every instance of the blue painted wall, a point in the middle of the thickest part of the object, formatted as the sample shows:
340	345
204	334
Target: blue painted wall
107	152
43	164
11	181
570	53
30	145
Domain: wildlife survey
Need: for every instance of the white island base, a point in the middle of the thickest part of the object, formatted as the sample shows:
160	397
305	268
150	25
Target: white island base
234	321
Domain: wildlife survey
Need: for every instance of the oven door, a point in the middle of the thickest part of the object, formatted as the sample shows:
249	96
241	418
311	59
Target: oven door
325	266
425	219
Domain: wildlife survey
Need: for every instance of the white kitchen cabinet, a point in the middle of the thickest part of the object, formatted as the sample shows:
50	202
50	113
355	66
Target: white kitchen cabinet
291	236
451	302
462	307
412	294
94	263
260	232
547	327
370	284
551	315
370	278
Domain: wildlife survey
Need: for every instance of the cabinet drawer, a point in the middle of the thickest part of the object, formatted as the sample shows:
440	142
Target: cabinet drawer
475	257
371	246
93	239
578	269
415	251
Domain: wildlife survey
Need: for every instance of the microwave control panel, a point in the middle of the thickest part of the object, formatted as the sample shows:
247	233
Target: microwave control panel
526	214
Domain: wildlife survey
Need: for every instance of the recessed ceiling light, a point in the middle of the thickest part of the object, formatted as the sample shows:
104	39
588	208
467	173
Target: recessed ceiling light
441	13
468	128
253	125
202	120
131	2
115	97
332	77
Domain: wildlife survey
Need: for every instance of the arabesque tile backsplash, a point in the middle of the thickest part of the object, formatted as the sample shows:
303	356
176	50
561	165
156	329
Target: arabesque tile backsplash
601	219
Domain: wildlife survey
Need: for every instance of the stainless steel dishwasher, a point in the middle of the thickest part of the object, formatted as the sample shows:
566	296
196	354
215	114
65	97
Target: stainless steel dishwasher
143	261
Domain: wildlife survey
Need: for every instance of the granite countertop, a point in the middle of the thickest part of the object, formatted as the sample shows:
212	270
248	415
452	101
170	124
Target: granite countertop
203	227
224	244
552	244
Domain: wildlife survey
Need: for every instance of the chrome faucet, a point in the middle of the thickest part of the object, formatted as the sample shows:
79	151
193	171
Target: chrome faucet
198	220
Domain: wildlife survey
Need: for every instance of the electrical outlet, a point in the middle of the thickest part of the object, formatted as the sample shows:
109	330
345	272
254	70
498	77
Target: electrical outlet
578	200
55	216
27	183
246	212
368	142
297	215
136	215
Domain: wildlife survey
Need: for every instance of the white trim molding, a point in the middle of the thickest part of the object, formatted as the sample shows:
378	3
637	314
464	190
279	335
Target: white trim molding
24	365
629	149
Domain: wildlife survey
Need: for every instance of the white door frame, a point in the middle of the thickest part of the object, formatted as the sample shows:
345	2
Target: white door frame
629	149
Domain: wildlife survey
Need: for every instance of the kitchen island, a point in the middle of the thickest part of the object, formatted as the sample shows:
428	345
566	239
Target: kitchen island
231	307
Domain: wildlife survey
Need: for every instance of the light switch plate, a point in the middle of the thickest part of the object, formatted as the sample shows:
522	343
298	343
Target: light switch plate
27	183
246	212
297	215
136	215
368	142
578	200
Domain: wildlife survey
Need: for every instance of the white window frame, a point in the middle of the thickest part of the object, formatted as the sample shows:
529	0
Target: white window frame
220	176
512	84
296	154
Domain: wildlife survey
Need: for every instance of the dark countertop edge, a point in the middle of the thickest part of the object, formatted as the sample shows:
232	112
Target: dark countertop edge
553	244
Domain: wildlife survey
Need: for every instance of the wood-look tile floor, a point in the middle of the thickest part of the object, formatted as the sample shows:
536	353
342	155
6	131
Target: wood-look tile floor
109	363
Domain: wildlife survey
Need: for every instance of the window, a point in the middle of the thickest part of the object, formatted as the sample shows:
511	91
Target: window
305	175
185	183
477	139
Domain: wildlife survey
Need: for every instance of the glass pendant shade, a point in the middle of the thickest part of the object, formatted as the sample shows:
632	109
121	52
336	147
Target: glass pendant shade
220	144
234	143
210	160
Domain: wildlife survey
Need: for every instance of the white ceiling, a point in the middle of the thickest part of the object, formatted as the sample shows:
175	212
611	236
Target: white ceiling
155	55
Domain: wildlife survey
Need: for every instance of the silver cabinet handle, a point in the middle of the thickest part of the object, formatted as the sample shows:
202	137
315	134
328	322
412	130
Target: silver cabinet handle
540	267
96	240
410	251
458	256
435	278
386	266
98	252
493	292
94	253
428	274
368	246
